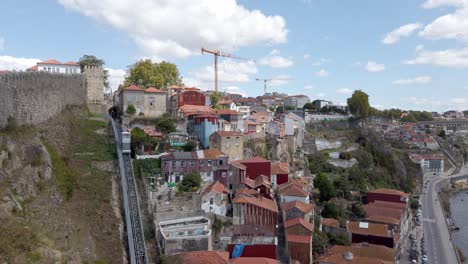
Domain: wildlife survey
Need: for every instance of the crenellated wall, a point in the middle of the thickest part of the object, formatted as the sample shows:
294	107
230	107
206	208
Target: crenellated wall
33	97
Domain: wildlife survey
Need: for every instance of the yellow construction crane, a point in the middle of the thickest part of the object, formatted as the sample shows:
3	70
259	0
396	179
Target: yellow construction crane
216	54
271	79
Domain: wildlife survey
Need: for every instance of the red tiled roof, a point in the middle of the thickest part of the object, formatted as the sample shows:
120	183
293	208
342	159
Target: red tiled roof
229	133
331	222
366	250
245	191
194	109
299	221
34	68
340	259
251	122
293	190
226	112
260	202
303	207
212	153
382	219
242	260
253	160
71	63
216	187
389	191
153	90
203	257
279	168
236	164
152	132
133	87
299	239
249	182
225	101
373	229
262	180
379	210
52	61
401	206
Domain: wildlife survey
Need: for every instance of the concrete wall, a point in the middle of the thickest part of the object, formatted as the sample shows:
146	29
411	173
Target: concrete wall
34	97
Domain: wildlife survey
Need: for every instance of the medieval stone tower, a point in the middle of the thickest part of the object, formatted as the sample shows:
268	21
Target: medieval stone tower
94	84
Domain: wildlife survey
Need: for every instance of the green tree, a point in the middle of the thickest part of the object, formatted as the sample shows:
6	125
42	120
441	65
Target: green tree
215	97
191	182
130	109
358	210
280	109
91	60
309	106
146	74
166	124
190	146
442	134
332	210
319	243
325	186
138	136
359	105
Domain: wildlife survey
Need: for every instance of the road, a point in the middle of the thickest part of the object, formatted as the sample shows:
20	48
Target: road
438	243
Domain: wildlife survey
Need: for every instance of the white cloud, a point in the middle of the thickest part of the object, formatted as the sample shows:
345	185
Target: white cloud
344	91
322	73
413	81
401	32
17	64
320	62
280	80
457	58
450	26
116	77
168	29
373	66
309	87
458	100
2	44
234	89
419	48
438	3
306	56
274	60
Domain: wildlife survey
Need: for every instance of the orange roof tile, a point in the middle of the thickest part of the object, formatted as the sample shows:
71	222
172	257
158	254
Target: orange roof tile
389	191
212	153
373	210
152	132
299	221
203	257
245	191
226	112
260	202
401	206
303	207
153	90
299	239
279	168
293	190
71	63
340	259
331	222
366	250
262	180
52	61
373	229
34	68
253	261
216	187
195	109
236	164
382	219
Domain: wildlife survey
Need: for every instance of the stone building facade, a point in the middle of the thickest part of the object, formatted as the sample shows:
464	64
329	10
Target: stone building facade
95	84
229	142
151	102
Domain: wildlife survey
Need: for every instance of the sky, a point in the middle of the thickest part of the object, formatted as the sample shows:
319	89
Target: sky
410	54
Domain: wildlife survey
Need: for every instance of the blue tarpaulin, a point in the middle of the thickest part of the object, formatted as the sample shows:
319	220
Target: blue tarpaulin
237	251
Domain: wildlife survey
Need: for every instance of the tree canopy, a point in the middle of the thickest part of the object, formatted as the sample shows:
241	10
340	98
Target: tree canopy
145	73
359	105
325	186
91	60
215	97
130	109
166	124
138	136
191	182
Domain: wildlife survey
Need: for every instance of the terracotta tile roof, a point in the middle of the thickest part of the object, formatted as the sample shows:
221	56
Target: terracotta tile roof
152	132
236	164
195	109
340	259
303	207
245	191
249	182
382	219
212	153
153	90
299	239
225	101
226	112
366	250
401	206
293	190
253	160
301	183
133	87
216	187
253	261
279	168
372	229
389	191
229	133
34	68
203	257
251	122
71	63
299	221
52	61
260	202
262	180
331	222
379	210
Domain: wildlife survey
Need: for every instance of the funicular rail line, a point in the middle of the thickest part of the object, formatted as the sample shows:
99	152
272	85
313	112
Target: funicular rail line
136	240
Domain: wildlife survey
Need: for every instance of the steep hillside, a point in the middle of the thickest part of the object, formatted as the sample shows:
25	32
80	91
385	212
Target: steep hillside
59	199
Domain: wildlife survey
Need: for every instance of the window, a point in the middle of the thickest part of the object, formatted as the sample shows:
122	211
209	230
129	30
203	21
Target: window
211	200
202	162
182	164
174	163
151	101
192	163
221	162
209	163
164	164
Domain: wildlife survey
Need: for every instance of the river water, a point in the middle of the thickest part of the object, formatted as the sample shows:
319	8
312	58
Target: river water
459	208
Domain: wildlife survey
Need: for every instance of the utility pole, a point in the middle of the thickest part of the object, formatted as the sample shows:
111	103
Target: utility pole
216	54
271	79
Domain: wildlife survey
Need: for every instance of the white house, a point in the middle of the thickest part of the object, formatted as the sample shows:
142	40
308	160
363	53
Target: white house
214	199
56	66
291	192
